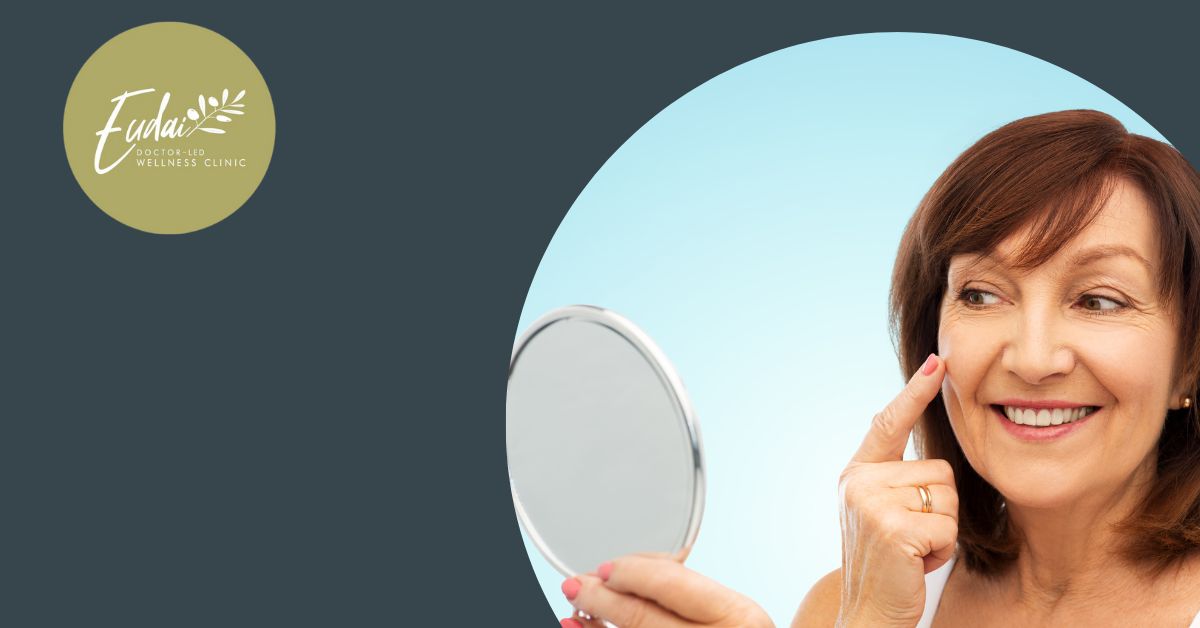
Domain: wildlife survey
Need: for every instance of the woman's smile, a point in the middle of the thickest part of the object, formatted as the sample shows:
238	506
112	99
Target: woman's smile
1043	423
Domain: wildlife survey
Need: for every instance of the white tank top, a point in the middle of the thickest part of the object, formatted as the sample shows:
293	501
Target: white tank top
935	581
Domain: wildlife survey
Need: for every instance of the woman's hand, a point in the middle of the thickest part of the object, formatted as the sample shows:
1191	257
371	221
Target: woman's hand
643	591
888	543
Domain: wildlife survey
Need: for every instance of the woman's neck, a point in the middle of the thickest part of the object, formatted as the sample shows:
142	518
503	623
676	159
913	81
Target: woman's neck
1070	554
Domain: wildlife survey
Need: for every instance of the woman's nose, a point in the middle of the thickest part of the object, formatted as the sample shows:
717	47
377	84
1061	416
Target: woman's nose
1038	349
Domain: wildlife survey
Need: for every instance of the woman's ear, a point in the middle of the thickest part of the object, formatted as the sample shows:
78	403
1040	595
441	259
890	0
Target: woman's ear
1186	387
1177	395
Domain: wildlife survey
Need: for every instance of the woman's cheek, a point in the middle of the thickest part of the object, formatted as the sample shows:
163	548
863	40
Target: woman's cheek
1134	366
948	350
959	388
1124	363
952	399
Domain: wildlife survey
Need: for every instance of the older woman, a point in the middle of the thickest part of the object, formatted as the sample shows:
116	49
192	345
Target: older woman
1048	290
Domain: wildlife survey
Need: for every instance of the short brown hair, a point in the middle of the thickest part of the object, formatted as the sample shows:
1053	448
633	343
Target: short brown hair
1053	172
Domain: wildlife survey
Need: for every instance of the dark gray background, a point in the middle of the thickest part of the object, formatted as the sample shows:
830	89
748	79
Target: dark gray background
295	418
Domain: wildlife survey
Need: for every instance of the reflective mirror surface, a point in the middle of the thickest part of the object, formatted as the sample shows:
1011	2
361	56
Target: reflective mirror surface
604	452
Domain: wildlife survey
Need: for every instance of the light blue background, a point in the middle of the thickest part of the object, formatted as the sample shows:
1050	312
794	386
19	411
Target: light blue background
750	228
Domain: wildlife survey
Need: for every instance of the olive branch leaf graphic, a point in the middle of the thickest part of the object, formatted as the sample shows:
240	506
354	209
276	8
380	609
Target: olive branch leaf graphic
218	111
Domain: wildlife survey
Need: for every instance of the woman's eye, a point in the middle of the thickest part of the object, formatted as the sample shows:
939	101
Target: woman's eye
1098	303
978	297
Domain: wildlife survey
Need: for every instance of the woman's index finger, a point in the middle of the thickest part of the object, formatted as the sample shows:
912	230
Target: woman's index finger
889	431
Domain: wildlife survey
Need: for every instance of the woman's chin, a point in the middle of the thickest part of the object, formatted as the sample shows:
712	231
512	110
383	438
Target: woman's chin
1035	490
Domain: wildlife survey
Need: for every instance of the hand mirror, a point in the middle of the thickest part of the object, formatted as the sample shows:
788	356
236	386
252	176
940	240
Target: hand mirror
604	453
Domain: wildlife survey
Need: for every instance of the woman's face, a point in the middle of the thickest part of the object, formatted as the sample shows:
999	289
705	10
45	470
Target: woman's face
1084	330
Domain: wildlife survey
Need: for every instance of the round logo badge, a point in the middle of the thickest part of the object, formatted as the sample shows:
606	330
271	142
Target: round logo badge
169	127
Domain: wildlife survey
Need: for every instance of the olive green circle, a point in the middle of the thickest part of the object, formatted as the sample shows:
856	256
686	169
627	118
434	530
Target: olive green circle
184	183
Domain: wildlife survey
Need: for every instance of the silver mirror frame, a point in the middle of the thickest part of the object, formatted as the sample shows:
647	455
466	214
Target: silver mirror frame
667	376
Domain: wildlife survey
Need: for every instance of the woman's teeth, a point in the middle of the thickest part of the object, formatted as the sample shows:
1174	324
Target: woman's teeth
1045	416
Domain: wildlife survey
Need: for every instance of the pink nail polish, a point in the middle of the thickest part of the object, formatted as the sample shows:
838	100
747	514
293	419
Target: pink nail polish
604	571
569	623
930	365
571	587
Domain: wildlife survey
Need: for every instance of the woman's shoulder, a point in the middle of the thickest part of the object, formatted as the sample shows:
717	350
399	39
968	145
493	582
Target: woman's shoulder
820	607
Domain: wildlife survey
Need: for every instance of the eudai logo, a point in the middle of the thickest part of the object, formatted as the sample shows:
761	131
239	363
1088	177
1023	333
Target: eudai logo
169	127
210	112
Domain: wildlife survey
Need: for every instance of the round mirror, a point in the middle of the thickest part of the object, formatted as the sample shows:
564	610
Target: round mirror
604	453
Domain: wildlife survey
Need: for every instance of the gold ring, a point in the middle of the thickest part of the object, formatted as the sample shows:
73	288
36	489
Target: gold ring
926	498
